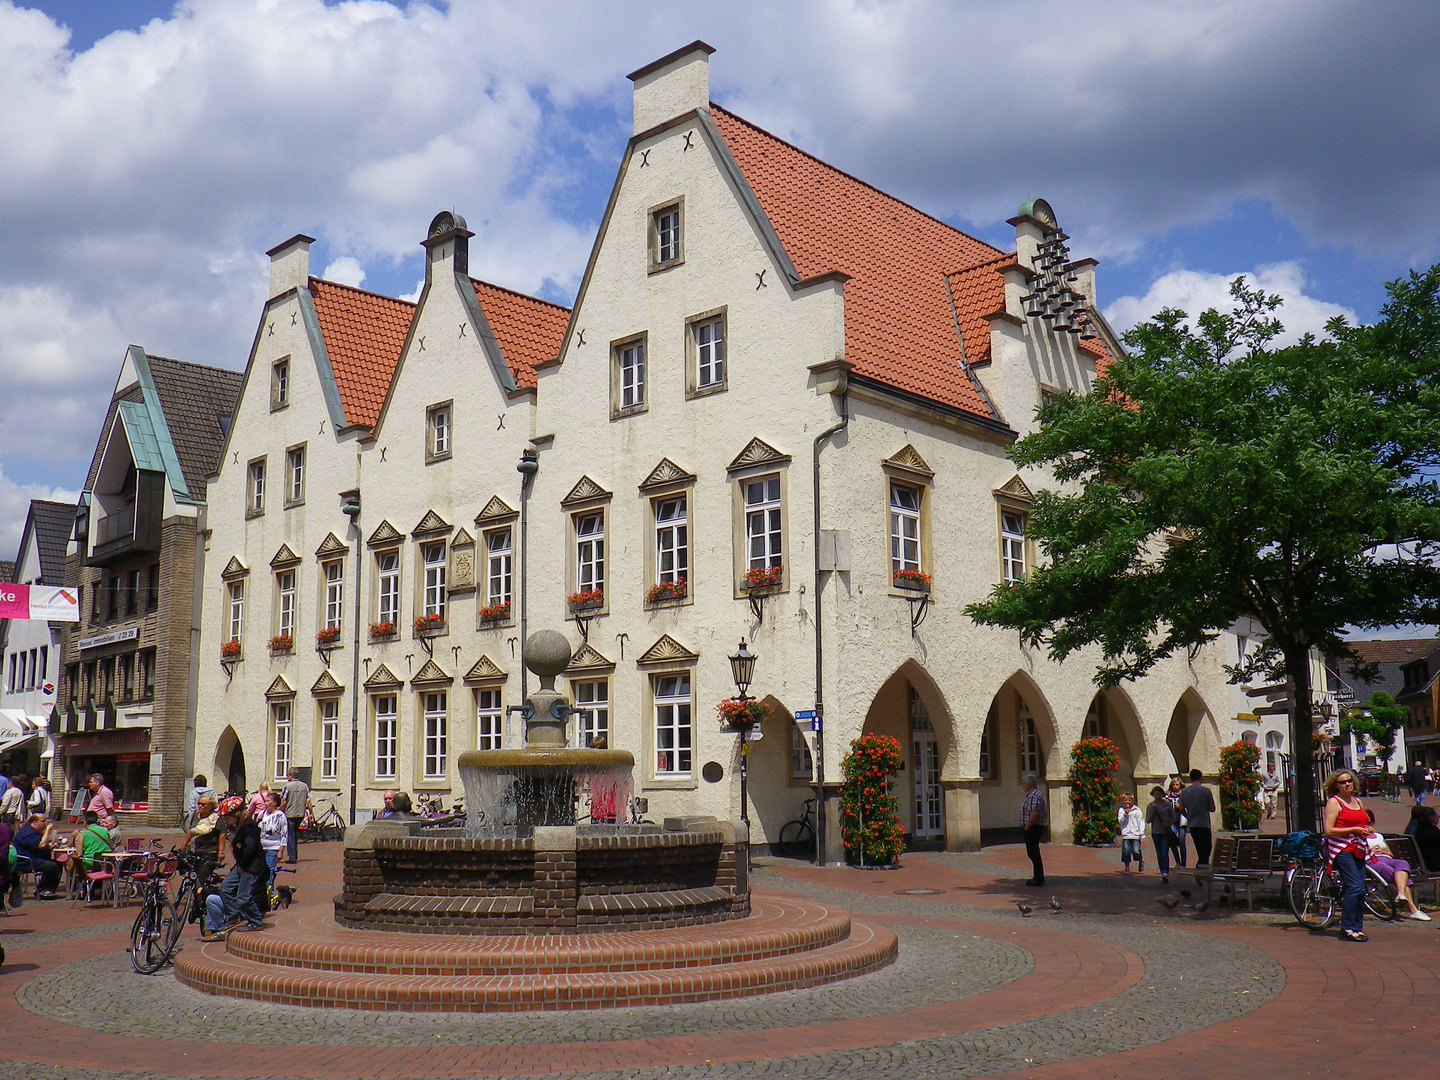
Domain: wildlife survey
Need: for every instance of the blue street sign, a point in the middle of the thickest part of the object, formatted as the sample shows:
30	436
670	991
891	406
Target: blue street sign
805	714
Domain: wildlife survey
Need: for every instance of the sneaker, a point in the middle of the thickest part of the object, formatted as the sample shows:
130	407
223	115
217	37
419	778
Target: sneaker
1418	916
1142	866
212	935
1164	879
249	928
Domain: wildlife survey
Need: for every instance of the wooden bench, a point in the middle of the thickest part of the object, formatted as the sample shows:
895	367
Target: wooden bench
1236	863
1421	876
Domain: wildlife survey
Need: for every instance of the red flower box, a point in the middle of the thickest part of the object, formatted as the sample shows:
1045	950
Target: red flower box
495	613
763	577
667	590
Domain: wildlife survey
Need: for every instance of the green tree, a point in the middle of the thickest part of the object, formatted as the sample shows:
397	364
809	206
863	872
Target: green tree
1210	475
1381	725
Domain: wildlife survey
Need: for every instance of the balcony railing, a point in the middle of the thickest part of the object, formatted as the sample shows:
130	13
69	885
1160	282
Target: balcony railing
119	525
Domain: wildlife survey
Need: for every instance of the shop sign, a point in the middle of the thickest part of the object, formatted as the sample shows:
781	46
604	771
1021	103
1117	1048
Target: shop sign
111	638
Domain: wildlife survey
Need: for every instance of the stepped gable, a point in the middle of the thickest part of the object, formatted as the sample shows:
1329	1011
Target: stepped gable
899	325
363	334
528	330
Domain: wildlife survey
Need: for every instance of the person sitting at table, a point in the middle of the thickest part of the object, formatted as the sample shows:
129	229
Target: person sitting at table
235	902
34	842
203	838
94	840
102	803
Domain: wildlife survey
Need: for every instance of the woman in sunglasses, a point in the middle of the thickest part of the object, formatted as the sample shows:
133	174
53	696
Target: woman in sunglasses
1347	834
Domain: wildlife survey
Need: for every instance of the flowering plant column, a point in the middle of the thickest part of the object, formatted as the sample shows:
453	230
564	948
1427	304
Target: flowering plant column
869	806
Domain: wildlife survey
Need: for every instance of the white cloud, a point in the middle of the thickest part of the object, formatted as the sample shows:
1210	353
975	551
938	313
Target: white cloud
1193	292
15	505
346	270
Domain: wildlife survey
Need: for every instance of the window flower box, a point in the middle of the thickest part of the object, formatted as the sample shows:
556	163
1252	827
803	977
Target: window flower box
327	637
911	579
381	631
667	590
495	613
737	715
230	650
762	577
282	643
590	600
429	624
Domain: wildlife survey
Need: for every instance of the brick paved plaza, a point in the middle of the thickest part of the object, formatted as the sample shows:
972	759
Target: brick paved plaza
1114	985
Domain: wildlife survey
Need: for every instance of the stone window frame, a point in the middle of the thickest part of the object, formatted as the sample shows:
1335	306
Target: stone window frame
741	545
592	679
650	778
681	488
235	610
280	372
693	389
496	710
280	591
394	694
432	454
574	513
290	499
322	608
988	764
484	597
277	767
319	735
443	589
377	554
800	777
619	411
1013	506
652	229
424	781
257	476
909	471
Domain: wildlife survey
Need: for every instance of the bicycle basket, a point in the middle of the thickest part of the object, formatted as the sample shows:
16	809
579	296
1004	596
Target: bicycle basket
1300	845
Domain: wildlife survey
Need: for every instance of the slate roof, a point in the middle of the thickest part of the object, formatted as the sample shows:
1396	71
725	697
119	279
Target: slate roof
1390	655
194	398
899	325
528	330
364	333
53	522
7	572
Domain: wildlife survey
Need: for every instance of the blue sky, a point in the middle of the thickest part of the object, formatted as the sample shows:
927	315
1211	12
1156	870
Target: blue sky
155	150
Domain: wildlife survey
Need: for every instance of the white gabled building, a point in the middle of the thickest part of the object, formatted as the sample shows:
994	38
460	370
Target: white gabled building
773	372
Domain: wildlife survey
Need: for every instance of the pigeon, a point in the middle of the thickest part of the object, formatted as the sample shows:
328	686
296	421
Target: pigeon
1202	907
1170	905
1185	893
1055	905
1025	909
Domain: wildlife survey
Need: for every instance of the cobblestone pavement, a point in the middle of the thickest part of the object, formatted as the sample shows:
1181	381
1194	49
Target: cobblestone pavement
1114	985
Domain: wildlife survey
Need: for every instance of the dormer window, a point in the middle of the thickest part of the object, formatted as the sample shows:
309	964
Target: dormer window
666	245
280	384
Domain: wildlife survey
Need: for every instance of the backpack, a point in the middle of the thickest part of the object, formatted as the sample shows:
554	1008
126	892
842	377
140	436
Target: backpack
1300	845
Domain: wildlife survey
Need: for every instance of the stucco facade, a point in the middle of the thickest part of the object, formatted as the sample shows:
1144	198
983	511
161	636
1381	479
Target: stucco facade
713	357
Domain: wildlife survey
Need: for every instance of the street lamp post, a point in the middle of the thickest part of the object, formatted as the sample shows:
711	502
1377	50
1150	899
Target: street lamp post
742	670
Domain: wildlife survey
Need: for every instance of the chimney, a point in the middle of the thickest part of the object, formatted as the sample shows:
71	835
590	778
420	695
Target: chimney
447	244
290	264
671	86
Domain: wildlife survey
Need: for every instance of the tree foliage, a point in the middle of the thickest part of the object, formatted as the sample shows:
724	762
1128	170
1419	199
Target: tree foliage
1384	721
1210	475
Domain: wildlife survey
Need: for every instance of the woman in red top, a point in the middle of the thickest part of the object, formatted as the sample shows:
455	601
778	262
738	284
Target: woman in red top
1347	829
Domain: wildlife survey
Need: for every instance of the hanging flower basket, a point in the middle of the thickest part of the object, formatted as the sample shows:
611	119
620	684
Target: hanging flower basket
911	579
327	636
736	715
587	600
763	577
380	630
667	590
230	650
282	643
429	624
495	613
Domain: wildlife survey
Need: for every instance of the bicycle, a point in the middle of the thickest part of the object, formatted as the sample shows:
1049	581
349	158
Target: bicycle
197	879
797	838
280	895
328	825
1313	894
154	928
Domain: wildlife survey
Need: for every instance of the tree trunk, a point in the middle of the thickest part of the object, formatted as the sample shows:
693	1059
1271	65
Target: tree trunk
1302	738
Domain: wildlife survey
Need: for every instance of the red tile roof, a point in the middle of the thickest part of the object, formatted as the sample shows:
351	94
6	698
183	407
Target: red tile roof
527	329
979	291
899	326
363	334
1394	651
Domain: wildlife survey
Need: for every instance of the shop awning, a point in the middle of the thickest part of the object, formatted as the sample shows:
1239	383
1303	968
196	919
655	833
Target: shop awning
18	729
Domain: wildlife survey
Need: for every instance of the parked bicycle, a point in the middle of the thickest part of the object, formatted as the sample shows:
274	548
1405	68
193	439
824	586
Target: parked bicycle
198	878
327	824
797	838
154	929
1313	893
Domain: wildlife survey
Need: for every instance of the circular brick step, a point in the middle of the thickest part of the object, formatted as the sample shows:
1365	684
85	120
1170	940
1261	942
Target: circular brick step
778	926
813	954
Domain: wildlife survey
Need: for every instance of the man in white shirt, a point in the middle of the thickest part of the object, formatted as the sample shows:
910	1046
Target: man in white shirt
1132	833
1270	790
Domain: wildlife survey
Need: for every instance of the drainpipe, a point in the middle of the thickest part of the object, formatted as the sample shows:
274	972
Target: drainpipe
528	467
820	439
350	507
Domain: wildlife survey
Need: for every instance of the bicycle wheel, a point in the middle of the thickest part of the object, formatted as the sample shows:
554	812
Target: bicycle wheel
1380	898
797	838
335	827
149	935
1311	898
180	917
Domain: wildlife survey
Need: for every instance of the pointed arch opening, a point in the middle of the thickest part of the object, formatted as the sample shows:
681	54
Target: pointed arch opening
1112	715
781	772
229	770
1192	741
910	708
1019	737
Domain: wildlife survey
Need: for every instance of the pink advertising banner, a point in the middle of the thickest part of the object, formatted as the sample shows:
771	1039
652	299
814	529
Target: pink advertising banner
39	602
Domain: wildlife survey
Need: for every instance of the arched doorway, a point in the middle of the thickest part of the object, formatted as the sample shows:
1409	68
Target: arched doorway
910	708
1019	738
780	774
1112	716
229	763
1192	741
